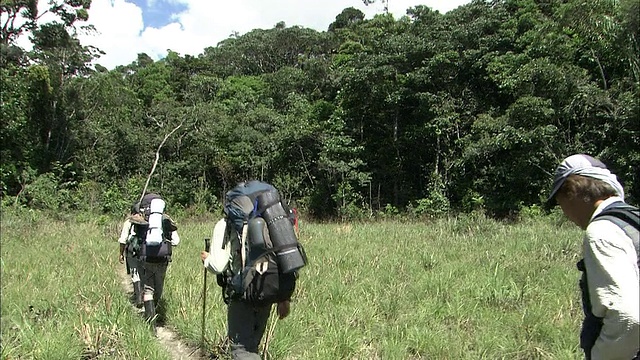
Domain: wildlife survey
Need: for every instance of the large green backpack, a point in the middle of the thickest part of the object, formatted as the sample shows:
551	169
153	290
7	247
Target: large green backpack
260	227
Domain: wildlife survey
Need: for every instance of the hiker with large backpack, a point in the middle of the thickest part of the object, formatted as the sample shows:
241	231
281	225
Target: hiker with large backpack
153	235
256	256
592	198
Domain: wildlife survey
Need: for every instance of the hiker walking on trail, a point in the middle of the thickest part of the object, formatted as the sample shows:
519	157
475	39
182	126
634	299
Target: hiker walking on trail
256	256
592	198
152	238
129	257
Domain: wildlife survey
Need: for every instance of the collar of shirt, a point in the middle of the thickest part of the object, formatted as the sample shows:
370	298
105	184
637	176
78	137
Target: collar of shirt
604	204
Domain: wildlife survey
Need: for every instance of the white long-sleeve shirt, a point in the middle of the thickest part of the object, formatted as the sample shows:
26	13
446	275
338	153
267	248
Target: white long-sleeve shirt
611	263
175	238
127	230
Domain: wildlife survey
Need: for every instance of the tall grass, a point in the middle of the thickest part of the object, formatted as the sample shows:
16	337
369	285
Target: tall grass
458	288
465	288
61	296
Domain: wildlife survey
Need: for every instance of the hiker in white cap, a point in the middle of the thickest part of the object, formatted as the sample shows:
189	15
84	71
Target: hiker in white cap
593	198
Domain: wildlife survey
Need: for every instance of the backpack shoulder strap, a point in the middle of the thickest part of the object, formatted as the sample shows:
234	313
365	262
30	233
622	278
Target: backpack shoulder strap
243	245
626	217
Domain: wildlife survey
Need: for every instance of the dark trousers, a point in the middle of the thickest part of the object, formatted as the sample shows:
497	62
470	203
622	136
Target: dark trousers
247	324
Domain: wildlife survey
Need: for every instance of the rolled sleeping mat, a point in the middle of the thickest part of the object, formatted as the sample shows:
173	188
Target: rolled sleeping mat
283	236
267	199
154	233
274	212
290	260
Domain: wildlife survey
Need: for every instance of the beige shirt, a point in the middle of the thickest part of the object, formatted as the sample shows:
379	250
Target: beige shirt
614	287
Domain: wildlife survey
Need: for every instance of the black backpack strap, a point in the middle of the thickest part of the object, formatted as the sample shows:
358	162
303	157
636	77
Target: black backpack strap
626	217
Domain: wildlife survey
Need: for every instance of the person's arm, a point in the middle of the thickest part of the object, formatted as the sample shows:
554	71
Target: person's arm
204	256
124	236
124	233
175	238
612	274
284	307
207	262
121	258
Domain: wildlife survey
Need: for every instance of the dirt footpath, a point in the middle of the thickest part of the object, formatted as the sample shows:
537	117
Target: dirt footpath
166	336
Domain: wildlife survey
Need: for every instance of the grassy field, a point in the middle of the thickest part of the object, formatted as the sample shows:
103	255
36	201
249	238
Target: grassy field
466	288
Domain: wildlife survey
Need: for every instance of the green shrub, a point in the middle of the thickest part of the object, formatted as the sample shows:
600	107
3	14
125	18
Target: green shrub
532	212
435	205
388	212
114	201
472	201
42	193
353	212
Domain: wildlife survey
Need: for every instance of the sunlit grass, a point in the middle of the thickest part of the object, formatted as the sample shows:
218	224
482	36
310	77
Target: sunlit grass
61	298
465	288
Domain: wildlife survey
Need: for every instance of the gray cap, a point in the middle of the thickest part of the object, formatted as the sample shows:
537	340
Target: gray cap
584	165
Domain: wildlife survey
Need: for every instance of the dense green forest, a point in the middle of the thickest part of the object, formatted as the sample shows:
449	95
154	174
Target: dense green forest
425	114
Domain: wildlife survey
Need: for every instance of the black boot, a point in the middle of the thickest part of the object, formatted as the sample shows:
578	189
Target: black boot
160	312
137	293
150	314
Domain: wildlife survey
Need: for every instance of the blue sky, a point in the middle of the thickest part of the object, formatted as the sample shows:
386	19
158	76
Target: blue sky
125	28
158	13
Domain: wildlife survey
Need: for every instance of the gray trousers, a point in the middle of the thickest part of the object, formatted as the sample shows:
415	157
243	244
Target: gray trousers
152	277
247	324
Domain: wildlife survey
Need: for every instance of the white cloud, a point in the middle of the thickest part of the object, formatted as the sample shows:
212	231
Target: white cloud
204	23
119	29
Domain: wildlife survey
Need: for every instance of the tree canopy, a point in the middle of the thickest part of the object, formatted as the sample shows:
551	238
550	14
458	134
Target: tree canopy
429	112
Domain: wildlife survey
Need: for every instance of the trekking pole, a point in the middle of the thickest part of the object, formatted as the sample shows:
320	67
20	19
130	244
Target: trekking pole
272	329
204	294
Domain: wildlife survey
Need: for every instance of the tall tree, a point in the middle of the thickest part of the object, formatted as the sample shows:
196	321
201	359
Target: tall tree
20	16
57	49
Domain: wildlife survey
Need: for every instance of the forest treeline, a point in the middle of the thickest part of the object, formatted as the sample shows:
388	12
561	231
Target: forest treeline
427	113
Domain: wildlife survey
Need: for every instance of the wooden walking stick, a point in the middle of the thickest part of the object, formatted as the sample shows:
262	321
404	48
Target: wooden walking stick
272	329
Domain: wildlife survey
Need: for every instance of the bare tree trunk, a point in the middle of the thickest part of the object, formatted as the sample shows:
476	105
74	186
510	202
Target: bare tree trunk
604	78
155	163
